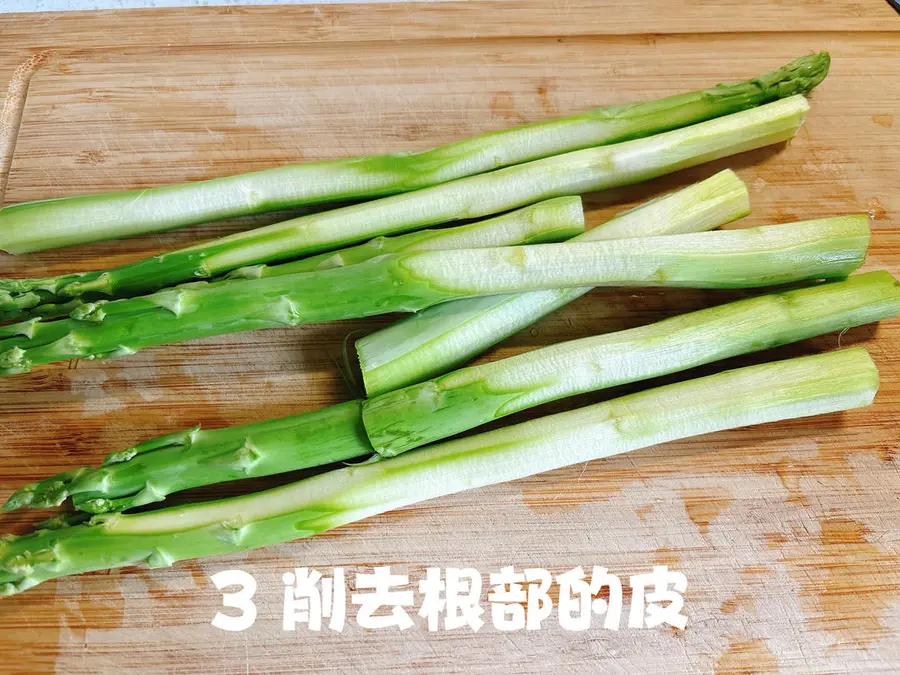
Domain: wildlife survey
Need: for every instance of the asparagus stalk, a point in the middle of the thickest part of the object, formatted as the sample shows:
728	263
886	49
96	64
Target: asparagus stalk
464	399
35	226
408	282
456	402
474	197
801	387
442	337
548	221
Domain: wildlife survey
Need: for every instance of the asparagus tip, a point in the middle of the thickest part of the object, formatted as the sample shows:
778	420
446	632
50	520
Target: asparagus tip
801	75
43	494
14	361
20	498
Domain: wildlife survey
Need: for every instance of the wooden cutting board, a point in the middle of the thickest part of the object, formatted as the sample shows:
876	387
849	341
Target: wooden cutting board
788	533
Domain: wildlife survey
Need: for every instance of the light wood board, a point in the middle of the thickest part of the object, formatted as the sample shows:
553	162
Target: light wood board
788	533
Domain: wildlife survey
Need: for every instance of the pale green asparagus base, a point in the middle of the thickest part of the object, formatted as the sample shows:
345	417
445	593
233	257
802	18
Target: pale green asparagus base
35	226
788	389
442	337
419	414
407	282
475	197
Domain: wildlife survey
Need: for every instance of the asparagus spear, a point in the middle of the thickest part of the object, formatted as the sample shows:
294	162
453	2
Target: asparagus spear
412	281
477	196
442	337
548	221
464	399
456	402
801	387
35	226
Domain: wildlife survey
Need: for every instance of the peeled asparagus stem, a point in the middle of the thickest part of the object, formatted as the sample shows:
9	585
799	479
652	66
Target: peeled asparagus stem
35	226
406	282
464	399
549	221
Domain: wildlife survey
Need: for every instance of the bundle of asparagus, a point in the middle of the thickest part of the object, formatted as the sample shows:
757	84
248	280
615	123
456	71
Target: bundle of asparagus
407	418
485	194
775	391
470	286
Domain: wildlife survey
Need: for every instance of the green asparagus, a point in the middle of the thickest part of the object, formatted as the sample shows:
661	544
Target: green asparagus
405	282
474	197
444	336
801	387
35	226
419	414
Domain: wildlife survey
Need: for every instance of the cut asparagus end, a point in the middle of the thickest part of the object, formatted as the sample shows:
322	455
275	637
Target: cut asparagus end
775	391
744	258
36	226
707	205
419	414
439	338
473	197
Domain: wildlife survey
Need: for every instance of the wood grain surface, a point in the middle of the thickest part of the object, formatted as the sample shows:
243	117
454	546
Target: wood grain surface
788	533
